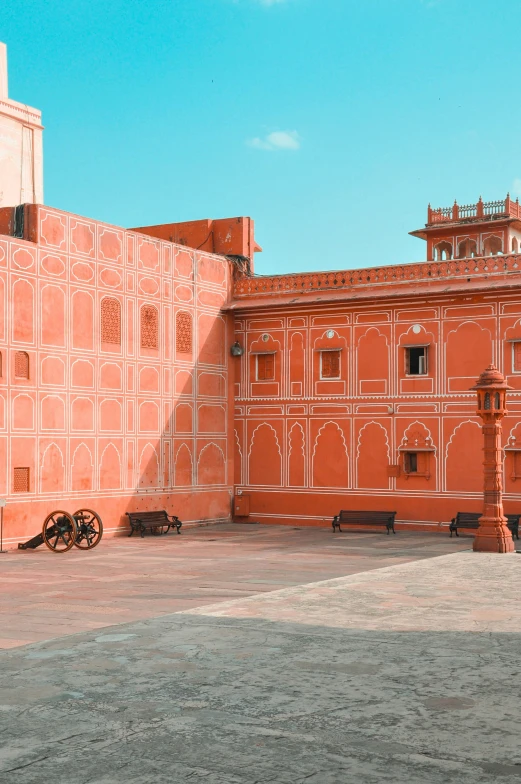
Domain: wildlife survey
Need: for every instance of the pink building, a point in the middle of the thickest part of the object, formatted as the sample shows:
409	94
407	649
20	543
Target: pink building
119	389
114	386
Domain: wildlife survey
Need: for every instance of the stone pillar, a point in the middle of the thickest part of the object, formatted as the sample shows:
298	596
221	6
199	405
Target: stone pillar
493	535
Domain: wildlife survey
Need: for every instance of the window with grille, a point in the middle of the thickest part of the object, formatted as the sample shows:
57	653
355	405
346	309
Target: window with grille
111	321
416	361
183	333
149	327
21	364
265	367
330	364
516	349
21	480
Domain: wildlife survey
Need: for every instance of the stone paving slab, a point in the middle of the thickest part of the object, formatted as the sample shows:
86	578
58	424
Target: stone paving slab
403	674
464	591
46	595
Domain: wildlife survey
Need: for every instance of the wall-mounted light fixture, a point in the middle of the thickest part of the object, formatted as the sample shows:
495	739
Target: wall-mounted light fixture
236	350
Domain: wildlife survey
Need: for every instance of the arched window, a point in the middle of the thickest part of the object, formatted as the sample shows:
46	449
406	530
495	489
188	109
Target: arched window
492	246
21	364
111	320
467	249
183	333
515	245
149	327
443	250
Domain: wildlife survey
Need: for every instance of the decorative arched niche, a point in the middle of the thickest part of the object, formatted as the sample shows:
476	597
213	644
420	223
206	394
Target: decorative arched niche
492	245
373	456
467	248
512	347
265	456
330	458
442	251
417	452
463	463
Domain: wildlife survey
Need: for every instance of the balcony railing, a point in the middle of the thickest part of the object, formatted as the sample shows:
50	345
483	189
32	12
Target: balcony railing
300	283
479	211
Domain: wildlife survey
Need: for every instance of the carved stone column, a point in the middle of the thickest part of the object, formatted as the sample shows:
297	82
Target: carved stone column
493	535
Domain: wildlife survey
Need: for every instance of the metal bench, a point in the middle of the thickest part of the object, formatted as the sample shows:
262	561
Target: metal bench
347	517
155	522
470	520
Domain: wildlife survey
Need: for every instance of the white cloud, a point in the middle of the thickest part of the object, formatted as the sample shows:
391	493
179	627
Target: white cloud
277	140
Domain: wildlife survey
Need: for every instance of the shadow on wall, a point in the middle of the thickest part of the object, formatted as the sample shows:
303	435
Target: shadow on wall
178	469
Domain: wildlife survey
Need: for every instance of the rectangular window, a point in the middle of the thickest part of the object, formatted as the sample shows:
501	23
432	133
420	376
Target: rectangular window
21	480
330	364
416	361
516	352
265	367
417	464
411	462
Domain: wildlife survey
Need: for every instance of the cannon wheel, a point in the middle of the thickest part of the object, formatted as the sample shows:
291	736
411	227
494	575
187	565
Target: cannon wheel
90	529
59	531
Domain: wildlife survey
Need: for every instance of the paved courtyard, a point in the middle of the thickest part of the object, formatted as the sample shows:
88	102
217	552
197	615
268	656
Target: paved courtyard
49	595
252	654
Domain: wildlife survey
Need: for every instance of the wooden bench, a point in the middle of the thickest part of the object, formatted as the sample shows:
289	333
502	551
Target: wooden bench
471	520
347	517
153	521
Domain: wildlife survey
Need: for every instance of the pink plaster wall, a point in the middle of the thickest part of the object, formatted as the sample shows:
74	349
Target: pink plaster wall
112	427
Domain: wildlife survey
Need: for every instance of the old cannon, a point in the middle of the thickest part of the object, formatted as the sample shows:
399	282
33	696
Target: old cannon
61	531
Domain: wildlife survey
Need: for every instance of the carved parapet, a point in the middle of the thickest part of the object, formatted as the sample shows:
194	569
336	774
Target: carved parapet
478	211
252	286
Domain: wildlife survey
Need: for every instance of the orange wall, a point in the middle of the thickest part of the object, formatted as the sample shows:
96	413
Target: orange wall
129	426
306	447
101	425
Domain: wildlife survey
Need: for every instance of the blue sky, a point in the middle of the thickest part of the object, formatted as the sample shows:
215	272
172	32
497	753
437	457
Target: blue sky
332	123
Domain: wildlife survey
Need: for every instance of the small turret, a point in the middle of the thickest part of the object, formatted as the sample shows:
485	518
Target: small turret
482	229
